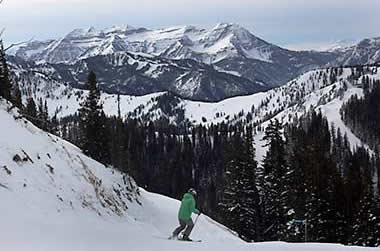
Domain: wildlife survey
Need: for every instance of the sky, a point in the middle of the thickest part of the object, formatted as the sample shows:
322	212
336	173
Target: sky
295	24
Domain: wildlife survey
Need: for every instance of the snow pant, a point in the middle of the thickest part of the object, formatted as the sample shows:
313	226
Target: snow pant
188	224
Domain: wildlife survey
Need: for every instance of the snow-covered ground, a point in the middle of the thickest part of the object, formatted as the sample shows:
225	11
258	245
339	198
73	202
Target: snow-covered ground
54	198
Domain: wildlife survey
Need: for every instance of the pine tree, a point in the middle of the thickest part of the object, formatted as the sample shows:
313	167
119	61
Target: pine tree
323	211
363	228
295	153
275	189
43	116
240	203
55	128
250	196
5	83
231	204
365	231
104	139
17	100
92	123
31	109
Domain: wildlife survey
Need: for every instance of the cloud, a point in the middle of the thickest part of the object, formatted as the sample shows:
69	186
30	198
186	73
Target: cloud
279	21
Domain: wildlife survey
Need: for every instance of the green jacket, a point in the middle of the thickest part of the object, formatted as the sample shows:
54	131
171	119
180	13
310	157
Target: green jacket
187	207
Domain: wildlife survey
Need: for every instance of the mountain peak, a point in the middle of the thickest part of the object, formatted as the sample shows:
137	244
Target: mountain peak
227	25
91	30
119	28
237	31
80	32
232	27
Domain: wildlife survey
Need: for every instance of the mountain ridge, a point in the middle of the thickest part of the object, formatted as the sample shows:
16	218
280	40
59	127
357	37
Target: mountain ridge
229	46
138	74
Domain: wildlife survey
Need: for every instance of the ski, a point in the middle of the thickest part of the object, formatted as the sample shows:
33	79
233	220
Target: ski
191	240
175	239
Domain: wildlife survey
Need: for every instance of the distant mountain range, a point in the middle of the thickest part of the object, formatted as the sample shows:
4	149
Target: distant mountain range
203	64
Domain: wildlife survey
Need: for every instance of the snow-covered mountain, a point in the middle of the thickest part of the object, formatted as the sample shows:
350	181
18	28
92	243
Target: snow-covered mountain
366	51
229	47
55	198
327	46
207	45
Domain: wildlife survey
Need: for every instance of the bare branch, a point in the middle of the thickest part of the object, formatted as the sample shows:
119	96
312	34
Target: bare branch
17	44
2	30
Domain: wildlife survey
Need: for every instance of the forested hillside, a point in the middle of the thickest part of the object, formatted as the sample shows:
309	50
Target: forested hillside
362	115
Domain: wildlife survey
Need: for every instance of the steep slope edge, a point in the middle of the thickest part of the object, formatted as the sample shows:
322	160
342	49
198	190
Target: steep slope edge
55	198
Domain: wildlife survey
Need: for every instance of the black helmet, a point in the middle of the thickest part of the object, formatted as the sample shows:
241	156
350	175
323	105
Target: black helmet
192	191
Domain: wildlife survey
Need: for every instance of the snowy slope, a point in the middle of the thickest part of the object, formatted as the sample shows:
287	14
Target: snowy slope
55	198
307	92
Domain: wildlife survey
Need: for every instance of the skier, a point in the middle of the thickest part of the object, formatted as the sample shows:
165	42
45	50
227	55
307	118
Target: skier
184	215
